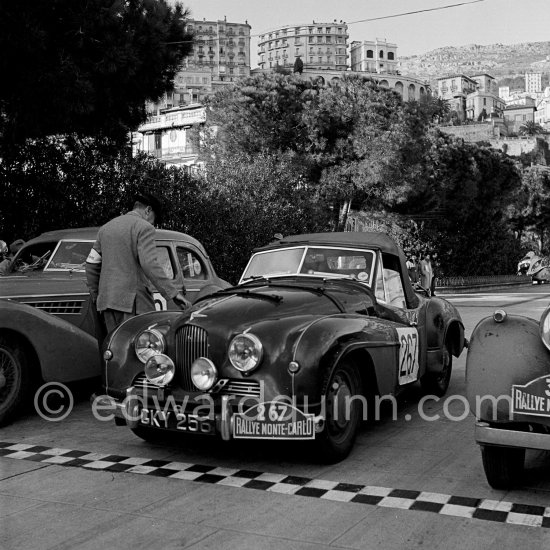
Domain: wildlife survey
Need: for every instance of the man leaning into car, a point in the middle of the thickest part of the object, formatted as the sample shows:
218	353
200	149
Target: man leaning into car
122	262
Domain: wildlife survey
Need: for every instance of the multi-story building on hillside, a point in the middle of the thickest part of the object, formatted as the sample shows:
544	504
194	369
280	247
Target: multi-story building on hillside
454	89
517	115
533	82
484	101
472	97
320	46
374	56
222	48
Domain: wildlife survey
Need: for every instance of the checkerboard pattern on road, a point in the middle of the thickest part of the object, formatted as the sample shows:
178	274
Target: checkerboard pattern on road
385	497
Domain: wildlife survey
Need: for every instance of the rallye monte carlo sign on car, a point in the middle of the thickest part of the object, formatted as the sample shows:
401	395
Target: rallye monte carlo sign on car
317	326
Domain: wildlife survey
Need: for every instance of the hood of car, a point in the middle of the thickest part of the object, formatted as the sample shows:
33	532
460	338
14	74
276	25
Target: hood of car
42	284
241	308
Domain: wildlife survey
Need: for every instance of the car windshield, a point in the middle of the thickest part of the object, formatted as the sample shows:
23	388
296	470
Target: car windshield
69	256
305	260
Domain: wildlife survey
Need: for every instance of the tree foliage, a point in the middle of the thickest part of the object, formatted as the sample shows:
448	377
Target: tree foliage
85	66
232	208
530	212
298	66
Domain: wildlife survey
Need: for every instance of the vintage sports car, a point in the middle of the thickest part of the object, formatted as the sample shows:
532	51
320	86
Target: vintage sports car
316	327
537	267
508	388
47	325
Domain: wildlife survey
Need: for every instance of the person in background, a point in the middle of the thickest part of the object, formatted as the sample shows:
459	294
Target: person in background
412	268
426	272
435	269
7	255
123	261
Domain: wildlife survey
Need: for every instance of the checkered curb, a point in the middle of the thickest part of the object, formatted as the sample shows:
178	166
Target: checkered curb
384	497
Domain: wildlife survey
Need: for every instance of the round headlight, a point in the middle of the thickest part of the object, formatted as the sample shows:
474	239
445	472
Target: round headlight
160	369
545	327
149	343
245	352
203	373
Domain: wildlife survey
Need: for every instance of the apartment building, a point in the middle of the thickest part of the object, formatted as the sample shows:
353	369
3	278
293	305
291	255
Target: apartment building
320	46
472	97
220	47
167	136
533	82
374	56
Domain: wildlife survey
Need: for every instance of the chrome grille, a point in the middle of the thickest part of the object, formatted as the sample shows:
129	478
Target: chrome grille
191	343
70	307
245	388
239	388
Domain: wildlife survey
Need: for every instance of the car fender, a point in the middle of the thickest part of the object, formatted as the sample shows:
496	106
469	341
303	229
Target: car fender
443	323
66	353
326	340
119	372
501	355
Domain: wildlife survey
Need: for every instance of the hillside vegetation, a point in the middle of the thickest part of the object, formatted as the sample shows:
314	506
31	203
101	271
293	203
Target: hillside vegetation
504	62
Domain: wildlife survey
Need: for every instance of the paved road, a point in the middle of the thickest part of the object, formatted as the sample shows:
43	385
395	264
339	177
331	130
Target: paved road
409	482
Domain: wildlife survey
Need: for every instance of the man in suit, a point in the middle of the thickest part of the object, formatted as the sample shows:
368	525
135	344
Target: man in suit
122	262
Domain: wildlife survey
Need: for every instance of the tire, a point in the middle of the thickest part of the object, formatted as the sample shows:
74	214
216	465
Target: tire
503	465
437	383
14	379
338	436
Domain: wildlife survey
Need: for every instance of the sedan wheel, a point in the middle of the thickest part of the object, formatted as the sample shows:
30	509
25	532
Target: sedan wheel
343	413
503	465
14	379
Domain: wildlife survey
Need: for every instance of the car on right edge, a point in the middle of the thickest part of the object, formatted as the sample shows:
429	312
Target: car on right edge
508	388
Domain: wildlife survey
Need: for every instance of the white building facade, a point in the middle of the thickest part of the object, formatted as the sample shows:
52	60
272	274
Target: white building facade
320	46
533	82
167	136
374	56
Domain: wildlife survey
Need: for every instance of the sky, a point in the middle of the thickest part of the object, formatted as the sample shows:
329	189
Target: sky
483	22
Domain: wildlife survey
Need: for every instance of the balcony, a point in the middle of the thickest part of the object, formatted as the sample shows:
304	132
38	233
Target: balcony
174	120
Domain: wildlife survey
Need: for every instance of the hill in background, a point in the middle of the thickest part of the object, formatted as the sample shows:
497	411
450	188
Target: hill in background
507	63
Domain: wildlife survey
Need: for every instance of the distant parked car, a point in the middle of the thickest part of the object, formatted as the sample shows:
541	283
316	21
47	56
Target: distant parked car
47	325
317	322
508	387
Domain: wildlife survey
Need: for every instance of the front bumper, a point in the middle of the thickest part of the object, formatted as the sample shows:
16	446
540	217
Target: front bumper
485	434
128	412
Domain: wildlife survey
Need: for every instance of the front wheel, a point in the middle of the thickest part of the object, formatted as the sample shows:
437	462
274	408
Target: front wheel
503	465
437	383
14	379
343	412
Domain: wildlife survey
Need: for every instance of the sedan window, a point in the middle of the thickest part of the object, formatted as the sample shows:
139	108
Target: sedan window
163	255
69	256
191	265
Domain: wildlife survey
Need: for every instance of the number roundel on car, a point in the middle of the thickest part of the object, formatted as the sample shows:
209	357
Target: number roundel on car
408	355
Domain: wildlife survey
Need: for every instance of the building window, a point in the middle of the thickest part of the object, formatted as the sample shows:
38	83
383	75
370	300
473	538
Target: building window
381	54
320	59
391	56
370	54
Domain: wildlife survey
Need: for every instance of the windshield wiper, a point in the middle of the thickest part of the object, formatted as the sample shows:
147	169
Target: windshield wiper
245	292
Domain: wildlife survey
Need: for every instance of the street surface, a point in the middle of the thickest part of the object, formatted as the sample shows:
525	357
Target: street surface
409	482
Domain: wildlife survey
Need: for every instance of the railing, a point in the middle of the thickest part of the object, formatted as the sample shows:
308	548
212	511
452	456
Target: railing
481	280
